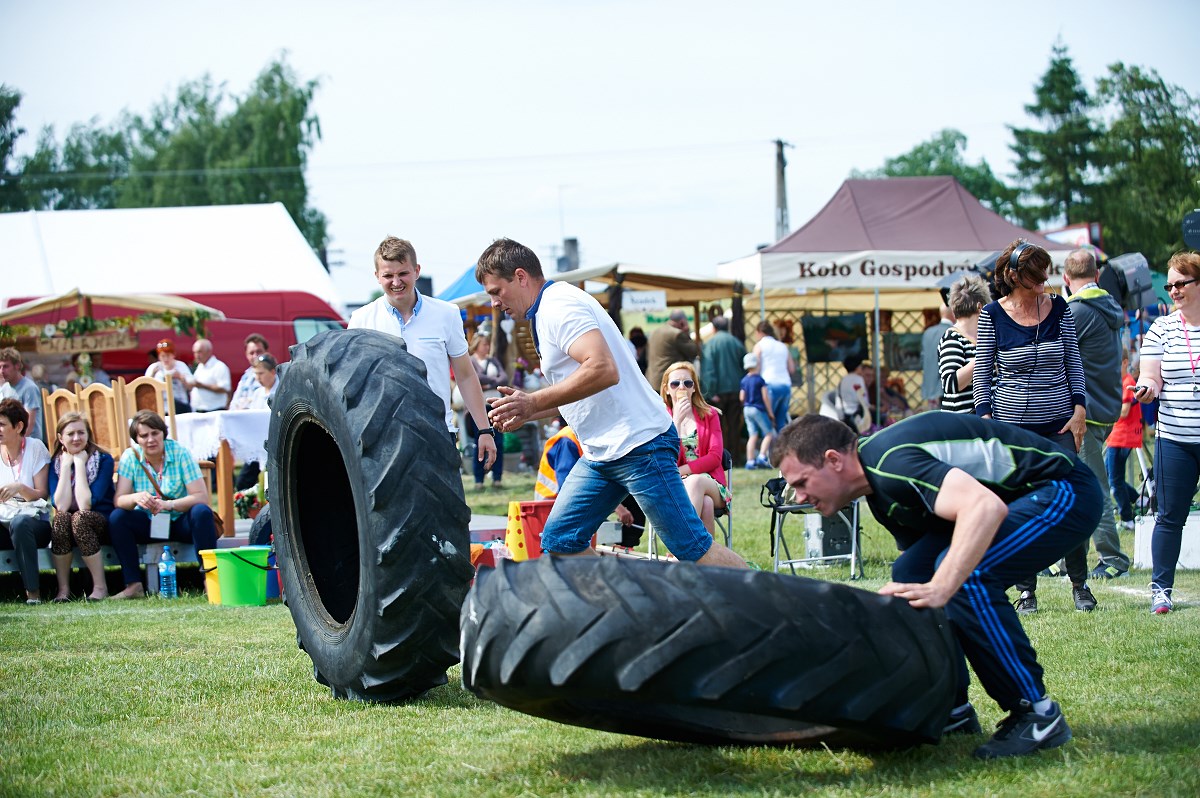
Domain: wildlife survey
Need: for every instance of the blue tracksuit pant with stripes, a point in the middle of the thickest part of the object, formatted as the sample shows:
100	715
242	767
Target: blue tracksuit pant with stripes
1040	528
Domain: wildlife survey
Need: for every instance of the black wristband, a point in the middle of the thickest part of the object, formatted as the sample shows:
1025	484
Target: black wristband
486	431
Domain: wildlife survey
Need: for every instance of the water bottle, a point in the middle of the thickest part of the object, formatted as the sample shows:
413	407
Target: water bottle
166	574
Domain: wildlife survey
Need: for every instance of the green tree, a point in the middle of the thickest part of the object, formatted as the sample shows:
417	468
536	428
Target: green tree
1151	162
943	155
12	195
1053	163
201	147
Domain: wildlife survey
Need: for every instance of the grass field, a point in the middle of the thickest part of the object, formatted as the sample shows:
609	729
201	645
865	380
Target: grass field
156	697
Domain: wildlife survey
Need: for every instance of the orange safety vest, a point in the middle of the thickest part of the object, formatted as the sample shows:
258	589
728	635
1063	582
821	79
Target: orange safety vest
547	481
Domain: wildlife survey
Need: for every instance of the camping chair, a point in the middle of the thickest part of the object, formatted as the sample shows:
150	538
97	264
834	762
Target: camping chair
103	407
779	497
56	404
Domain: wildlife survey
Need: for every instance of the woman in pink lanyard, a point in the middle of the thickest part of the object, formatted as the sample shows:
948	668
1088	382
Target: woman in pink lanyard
1170	372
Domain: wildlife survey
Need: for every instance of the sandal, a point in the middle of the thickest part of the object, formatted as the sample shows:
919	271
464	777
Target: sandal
61	600
134	591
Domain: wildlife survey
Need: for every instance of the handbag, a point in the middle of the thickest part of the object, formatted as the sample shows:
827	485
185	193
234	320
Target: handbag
218	523
12	508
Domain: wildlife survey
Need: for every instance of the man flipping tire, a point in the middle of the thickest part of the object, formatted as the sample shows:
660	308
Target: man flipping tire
974	505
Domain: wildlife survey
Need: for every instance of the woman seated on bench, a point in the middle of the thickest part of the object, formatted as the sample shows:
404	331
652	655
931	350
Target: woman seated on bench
81	490
701	446
156	476
23	466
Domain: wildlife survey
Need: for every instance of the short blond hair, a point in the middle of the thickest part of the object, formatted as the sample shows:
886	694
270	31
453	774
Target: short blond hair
396	250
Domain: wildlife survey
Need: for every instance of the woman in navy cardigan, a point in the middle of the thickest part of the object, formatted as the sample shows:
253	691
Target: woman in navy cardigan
81	490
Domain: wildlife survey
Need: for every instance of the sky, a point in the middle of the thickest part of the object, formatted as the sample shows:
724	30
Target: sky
643	129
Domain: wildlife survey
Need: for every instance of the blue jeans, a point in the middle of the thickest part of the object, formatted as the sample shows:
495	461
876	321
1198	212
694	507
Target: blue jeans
1124	494
1176	474
648	473
781	401
757	422
127	528
1040	527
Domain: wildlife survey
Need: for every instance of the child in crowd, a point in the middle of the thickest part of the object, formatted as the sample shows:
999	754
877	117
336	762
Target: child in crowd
760	421
1126	436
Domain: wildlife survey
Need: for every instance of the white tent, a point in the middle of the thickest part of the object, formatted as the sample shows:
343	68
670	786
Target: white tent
195	250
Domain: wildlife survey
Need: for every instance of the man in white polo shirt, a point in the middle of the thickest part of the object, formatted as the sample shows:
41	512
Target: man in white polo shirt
210	381
432	330
629	442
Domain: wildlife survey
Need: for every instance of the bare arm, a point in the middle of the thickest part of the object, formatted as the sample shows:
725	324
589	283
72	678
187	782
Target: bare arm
597	371
197	493
1149	384
472	394
977	513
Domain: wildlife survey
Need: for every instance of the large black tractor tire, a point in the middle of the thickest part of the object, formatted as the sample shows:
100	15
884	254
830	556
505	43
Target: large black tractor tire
706	655
371	529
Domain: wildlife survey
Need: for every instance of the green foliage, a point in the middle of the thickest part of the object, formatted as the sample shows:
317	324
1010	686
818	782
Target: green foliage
1151	156
12	195
1053	163
200	147
943	155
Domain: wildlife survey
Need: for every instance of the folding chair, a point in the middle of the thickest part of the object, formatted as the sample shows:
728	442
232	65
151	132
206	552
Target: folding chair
773	497
724	516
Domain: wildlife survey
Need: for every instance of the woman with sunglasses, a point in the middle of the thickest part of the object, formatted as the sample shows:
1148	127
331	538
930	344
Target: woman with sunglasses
267	375
701	447
1028	372
1170	372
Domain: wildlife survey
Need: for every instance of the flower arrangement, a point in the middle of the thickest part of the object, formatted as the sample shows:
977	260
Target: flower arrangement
183	323
247	503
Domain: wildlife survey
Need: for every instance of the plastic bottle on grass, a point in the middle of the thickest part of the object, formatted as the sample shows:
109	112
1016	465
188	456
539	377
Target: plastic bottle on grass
166	574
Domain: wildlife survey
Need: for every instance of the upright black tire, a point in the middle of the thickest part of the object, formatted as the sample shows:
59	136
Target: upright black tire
371	529
706	655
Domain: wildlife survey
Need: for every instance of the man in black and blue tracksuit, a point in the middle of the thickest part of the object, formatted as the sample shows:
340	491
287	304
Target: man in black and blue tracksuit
974	505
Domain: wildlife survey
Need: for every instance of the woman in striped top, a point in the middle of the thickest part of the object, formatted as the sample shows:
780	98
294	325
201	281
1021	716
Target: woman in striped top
956	350
1028	372
1171	372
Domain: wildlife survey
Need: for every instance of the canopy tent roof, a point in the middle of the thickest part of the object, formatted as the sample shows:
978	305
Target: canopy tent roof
899	233
146	303
680	289
170	251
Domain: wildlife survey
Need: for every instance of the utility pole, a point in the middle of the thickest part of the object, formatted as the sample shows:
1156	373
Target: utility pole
782	226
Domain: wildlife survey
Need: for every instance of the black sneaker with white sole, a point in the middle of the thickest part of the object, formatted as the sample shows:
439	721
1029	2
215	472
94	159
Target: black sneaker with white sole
1025	731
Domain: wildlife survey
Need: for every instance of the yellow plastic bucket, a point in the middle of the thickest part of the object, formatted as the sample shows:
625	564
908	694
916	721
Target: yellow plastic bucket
212	585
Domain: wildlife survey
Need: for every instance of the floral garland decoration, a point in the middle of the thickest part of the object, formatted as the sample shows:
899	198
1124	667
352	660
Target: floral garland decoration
183	323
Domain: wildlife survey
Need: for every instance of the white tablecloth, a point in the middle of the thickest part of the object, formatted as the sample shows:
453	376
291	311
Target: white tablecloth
246	430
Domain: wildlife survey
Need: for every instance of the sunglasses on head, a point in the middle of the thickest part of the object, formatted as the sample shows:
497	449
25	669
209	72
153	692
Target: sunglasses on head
684	383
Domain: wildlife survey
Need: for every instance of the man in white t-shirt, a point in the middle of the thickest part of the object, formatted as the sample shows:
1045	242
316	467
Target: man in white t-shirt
432	330
211	380
629	442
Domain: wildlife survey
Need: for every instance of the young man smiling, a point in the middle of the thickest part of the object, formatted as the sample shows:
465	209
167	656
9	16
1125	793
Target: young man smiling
431	329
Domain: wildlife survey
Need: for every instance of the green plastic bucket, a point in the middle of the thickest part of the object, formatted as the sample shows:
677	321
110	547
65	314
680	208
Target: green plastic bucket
240	573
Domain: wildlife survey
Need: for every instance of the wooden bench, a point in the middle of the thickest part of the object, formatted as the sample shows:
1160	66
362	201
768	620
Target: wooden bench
148	555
